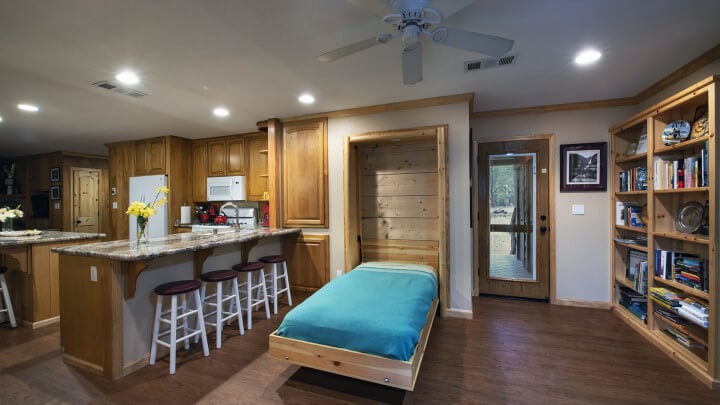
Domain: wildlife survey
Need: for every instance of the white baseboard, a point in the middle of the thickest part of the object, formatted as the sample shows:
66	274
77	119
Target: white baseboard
583	304
458	313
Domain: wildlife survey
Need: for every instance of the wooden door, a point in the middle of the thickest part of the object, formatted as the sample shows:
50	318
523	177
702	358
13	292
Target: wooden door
140	158
236	157
217	158
257	170
86	205
513	200
199	171
304	182
308	261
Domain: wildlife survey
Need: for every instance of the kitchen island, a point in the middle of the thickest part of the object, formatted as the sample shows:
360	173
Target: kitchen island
32	275
107	300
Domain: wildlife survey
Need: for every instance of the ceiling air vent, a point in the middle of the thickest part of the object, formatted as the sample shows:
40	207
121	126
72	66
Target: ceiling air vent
119	89
490	62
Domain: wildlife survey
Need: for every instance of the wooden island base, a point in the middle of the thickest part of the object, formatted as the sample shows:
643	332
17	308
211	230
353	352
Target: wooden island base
368	367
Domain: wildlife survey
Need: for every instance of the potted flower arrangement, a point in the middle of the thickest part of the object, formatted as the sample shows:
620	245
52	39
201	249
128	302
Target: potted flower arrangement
7	215
143	211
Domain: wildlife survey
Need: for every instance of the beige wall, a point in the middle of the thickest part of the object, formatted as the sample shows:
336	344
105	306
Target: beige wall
582	242
457	118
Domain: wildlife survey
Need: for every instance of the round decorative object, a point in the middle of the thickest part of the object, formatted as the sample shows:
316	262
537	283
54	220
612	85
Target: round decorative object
676	132
690	217
700	127
644	215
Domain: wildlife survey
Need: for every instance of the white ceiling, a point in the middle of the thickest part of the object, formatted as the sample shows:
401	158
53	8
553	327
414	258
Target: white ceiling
257	57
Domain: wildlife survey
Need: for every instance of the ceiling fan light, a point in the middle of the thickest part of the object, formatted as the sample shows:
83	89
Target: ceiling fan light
431	16
411	35
439	34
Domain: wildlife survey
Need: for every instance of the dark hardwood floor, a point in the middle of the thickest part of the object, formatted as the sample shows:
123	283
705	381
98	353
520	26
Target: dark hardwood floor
513	352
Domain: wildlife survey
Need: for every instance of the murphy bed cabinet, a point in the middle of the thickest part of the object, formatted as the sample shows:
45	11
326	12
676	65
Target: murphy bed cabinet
664	258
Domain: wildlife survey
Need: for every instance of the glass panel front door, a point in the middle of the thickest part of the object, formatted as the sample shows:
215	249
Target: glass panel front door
512	210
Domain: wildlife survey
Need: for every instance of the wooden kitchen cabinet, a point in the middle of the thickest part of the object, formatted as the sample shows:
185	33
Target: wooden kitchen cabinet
226	157
308	261
257	170
149	156
199	171
304	174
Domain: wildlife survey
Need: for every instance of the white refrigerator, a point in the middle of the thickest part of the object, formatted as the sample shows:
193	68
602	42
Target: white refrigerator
143	188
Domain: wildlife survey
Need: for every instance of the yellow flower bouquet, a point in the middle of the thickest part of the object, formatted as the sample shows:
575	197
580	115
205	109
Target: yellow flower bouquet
143	211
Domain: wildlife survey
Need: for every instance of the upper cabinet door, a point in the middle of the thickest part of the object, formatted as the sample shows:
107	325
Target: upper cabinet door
236	157
304	180
198	152
217	158
140	157
257	166
149	156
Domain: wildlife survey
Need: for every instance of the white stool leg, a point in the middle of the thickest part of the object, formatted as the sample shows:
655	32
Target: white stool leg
274	287
287	282
218	314
8	303
236	301
203	334
248	287
203	286
173	332
264	291
156	329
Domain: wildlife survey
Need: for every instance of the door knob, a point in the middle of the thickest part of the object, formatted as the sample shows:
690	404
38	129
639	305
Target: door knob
78	222
543	217
543	229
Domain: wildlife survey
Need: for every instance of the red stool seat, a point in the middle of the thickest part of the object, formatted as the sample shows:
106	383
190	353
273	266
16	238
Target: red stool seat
3	269
177	287
218	275
273	259
251	266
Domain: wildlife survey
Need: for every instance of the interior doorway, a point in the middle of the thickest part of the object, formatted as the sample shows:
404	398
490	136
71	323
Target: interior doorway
512	200
85	200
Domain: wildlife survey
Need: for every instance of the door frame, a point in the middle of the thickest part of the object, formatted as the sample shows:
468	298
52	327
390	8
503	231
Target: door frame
474	196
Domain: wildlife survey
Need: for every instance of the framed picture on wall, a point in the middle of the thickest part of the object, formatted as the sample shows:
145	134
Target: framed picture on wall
55	174
55	192
583	167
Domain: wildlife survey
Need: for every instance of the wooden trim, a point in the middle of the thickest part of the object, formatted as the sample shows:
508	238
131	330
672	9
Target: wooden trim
40	324
132	272
367	367
383	108
80	363
583	303
552	214
458	313
274	142
199	257
444	215
582	105
139	363
114	330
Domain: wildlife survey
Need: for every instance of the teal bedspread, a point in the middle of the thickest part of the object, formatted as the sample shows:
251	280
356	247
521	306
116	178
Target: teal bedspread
378	308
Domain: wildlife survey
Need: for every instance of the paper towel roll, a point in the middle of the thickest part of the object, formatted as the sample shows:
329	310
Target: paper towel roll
185	214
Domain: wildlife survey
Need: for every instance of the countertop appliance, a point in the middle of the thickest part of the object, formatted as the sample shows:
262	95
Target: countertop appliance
226	188
143	188
246	219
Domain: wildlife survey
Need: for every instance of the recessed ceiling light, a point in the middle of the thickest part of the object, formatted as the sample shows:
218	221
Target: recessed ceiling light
306	99
221	112
127	77
0	119
28	107
587	56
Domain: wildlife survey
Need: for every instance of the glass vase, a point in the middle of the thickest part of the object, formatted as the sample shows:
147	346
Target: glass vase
143	235
7	225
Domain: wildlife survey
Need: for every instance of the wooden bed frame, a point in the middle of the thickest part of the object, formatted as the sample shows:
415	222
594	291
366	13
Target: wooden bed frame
368	367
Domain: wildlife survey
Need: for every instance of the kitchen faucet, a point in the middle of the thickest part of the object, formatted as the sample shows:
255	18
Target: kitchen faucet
237	212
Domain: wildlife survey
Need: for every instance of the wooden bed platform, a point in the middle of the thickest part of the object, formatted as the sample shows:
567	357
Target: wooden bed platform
368	367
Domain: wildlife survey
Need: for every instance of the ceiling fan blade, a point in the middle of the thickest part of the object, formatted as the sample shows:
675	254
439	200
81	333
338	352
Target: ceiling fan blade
472	41
380	8
450	7
349	49
412	64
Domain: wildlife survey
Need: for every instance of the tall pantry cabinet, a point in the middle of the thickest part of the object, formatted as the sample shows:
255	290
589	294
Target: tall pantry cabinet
664	257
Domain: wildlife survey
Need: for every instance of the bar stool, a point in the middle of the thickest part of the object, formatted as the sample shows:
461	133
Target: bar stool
218	299
175	289
274	276
6	297
251	269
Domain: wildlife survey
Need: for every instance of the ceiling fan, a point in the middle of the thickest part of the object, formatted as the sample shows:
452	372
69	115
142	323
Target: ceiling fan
411	18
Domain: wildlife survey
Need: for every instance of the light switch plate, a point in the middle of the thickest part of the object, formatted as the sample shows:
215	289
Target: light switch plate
114	205
578	209
93	273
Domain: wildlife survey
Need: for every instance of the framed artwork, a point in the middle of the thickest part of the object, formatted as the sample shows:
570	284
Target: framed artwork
55	174
55	192
583	167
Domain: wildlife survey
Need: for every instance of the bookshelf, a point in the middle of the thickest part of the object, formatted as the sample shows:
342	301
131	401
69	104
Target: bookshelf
682	276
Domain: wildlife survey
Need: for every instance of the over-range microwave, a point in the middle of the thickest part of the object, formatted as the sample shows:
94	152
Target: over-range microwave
226	188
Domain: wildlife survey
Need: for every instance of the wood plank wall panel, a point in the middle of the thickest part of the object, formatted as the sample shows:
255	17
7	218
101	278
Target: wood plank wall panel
425	251
400	206
308	261
399	184
121	164
400	228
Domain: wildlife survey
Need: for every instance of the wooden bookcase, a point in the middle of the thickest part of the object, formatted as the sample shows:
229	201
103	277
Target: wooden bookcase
662	204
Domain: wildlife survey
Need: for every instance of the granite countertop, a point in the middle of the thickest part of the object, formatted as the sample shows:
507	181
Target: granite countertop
126	250
47	237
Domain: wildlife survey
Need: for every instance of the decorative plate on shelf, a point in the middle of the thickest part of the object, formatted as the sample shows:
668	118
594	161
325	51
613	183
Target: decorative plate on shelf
690	217
676	132
15	234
